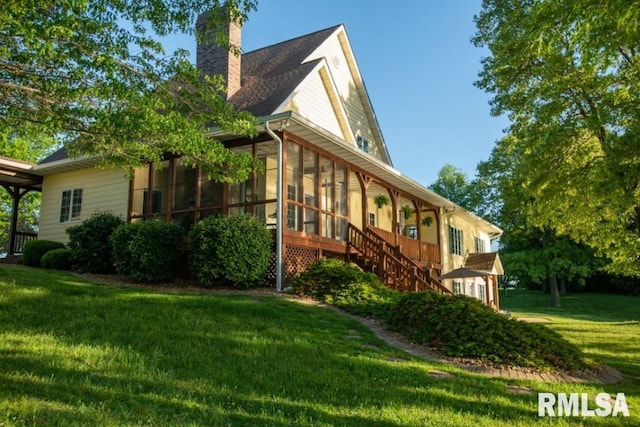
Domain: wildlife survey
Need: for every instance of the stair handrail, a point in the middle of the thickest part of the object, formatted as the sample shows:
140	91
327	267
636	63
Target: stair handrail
409	268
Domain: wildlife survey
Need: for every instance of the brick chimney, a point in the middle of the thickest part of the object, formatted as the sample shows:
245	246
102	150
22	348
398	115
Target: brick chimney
212	58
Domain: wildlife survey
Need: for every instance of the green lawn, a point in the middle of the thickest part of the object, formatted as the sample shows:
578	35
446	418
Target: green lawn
75	353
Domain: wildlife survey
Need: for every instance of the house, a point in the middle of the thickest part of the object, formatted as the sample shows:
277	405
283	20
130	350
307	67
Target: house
326	164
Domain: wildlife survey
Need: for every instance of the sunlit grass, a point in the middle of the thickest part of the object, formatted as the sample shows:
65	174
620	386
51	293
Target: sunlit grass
75	353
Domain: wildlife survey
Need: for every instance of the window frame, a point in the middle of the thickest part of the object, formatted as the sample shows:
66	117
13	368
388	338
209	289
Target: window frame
456	241
71	214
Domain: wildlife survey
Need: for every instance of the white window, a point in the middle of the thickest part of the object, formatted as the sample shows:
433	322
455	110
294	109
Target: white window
71	205
455	241
479	245
372	218
482	292
457	287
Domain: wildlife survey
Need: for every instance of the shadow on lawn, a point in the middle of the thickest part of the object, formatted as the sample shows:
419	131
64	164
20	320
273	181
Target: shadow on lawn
95	354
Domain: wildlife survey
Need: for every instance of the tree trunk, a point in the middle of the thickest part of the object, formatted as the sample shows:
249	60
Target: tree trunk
554	294
545	285
563	286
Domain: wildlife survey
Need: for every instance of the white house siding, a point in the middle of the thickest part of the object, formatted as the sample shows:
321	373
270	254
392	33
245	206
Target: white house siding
312	101
102	190
344	71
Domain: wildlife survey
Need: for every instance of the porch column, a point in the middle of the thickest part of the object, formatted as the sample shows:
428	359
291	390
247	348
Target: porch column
16	196
417	207
393	195
364	185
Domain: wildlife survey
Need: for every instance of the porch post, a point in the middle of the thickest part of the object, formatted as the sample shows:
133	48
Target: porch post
15	196
364	185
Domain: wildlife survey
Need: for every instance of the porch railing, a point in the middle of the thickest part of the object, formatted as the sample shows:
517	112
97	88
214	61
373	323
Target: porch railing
427	253
395	269
19	240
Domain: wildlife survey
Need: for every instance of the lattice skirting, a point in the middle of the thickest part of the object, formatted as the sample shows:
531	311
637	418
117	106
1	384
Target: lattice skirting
298	259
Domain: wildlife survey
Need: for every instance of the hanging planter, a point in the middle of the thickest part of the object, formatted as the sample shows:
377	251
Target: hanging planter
407	211
381	200
427	220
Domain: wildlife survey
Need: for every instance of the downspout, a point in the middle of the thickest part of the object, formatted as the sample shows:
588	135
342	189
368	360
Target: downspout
279	206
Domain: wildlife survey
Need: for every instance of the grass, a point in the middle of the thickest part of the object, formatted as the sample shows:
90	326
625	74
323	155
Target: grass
76	353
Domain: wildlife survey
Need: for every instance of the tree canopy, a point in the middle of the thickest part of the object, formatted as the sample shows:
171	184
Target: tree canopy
92	74
567	74
455	185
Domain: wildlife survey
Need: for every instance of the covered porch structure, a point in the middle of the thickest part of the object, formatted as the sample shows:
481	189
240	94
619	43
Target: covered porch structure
18	179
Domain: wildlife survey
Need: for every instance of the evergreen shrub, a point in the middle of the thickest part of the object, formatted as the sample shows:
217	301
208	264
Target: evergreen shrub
34	250
346	286
90	243
148	251
229	250
58	259
465	327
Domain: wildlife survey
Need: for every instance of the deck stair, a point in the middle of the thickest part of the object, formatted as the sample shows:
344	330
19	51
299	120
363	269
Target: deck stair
395	269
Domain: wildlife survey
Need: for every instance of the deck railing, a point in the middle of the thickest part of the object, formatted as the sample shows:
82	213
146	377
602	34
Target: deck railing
19	240
427	253
395	269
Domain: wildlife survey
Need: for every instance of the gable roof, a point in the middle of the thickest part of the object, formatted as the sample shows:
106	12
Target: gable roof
488	262
270	74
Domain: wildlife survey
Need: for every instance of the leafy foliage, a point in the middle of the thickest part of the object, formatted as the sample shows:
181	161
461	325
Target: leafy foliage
464	327
90	242
454	184
34	250
94	74
233	250
148	251
346	286
567	75
58	259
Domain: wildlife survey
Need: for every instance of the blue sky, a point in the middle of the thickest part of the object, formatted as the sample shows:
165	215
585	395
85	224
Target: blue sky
418	65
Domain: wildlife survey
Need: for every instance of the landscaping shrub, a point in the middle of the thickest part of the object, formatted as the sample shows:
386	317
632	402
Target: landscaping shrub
34	250
233	250
465	327
148	251
58	259
90	243
346	286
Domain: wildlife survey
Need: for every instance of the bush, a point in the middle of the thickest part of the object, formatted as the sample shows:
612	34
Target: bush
90	243
465	327
346	286
58	259
148	251
34	250
232	250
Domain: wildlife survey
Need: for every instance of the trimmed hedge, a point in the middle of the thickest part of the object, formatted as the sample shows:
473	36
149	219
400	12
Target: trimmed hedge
58	259
233	250
346	286
465	327
90	243
148	251
34	250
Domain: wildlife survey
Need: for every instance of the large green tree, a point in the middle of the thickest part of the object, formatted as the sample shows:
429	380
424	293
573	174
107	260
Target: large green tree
93	74
456	186
567	74
532	251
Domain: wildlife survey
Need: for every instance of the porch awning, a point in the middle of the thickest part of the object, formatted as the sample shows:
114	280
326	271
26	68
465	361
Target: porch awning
462	273
18	174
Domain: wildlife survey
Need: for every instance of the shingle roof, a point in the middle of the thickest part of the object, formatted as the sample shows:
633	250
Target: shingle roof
269	76
482	261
